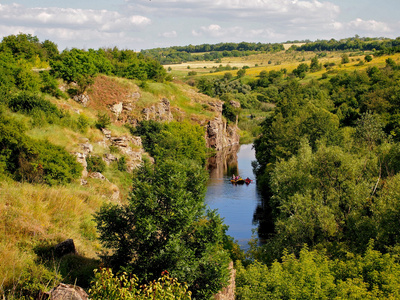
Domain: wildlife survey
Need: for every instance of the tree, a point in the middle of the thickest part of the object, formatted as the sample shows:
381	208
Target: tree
165	227
301	70
345	59
241	73
315	65
76	66
368	58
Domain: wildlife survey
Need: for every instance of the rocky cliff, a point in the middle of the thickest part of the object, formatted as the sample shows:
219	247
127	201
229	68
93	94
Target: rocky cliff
128	104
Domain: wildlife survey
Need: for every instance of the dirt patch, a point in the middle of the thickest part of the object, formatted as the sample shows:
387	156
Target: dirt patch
106	91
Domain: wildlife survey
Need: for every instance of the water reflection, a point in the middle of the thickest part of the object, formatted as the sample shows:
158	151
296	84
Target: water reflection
235	203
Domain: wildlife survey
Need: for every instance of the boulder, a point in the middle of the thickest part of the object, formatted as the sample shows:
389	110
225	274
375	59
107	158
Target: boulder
66	292
116	108
97	175
82	99
86	148
106	132
109	158
64	248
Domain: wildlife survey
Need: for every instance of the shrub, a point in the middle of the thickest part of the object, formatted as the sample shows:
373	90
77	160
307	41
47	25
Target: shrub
82	123
122	286
103	120
26	102
122	164
26	159
95	164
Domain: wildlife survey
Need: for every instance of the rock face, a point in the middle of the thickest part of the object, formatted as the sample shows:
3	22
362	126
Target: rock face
67	291
82	99
160	112
228	293
81	158
220	135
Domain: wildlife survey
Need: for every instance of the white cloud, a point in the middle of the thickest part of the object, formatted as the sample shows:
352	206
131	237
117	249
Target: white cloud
234	33
69	18
259	9
369	26
70	26
169	34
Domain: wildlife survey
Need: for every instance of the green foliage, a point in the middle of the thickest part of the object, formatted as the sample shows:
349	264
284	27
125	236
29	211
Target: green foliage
314	276
27	160
122	286
50	85
95	164
164	228
315	66
181	140
83	123
301	70
175	140
241	73
368	58
121	164
149	131
75	66
27	103
345	59
103	120
28	47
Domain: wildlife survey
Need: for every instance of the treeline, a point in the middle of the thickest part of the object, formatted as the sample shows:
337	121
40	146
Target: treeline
381	46
208	52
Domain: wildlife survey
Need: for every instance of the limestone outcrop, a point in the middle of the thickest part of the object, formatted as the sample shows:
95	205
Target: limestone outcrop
66	291
219	134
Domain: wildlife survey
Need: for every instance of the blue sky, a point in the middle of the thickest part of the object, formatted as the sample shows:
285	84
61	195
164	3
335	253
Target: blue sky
144	24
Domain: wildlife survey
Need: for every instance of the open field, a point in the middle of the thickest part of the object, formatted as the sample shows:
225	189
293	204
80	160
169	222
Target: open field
288	60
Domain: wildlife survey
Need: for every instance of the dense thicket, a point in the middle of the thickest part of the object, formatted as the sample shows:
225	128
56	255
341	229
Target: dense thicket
327	165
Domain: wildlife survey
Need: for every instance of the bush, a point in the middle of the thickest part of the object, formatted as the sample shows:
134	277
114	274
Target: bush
103	120
95	164
26	103
122	286
82	123
122	164
26	159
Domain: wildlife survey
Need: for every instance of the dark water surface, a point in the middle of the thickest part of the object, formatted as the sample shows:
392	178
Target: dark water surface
235	203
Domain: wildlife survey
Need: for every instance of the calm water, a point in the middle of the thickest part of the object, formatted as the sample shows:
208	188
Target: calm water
235	203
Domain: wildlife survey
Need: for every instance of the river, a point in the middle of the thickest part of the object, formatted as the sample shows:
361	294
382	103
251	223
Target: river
236	204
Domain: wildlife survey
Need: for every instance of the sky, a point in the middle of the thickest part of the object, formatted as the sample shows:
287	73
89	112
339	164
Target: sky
146	24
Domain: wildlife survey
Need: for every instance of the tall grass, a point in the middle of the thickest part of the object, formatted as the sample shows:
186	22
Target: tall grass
34	217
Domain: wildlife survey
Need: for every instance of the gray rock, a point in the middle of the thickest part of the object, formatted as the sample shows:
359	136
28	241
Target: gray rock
109	158
64	248
82	99
97	175
87	148
67	292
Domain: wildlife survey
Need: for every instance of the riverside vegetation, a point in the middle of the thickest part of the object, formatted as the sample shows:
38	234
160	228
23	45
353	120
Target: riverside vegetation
325	119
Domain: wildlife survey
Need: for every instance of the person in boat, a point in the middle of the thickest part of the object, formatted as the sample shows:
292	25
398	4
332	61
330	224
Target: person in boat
233	177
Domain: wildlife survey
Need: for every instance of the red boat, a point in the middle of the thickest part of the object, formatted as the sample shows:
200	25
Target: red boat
248	180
